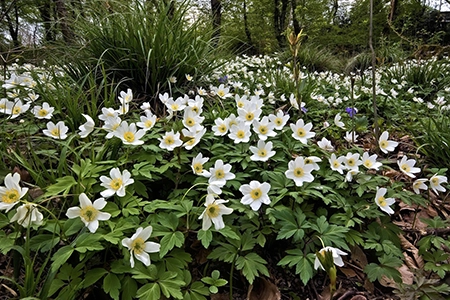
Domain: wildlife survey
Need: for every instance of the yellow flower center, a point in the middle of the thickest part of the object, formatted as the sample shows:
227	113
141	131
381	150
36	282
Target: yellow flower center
263	129
195	109
212	210
406	168
190	121
128	136
175	106
308	161
249	116
198	167
301	132
351	162
240	104
382	201
89	213
221	93
256	194
116	183
383	144
148	123
42	112
262	152
11	196
55	132
191	141
114	127
169	140
240	134
278	121
222	128
138	245
368	163
16	110
2	105
299	172
336	164
233	122
220	174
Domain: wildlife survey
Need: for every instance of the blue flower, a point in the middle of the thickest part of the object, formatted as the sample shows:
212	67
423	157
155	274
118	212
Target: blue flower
352	111
223	79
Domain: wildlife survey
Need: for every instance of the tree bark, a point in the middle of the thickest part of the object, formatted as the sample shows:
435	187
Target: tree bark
294	17
247	29
13	25
45	9
64	21
279	21
216	9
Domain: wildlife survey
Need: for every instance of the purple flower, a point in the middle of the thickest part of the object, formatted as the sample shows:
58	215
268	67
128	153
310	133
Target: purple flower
352	111
223	79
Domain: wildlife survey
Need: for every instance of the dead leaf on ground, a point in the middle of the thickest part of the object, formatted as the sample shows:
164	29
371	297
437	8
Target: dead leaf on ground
263	289
348	272
358	256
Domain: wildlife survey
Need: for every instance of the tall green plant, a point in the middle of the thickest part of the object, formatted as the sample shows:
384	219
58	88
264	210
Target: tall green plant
141	46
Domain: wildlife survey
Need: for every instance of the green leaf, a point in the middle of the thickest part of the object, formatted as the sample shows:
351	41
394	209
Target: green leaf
205	236
169	241
43	242
150	291
62	185
292	224
304	264
387	267
92	276
252	265
170	285
129	288
112	285
247	241
88	242
55	286
228	233
61	256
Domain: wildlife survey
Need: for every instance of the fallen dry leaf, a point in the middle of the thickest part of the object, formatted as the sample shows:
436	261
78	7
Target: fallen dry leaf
263	289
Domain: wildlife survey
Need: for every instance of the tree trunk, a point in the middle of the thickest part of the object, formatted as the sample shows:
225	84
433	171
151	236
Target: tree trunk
63	21
247	29
279	21
393	10
44	9
334	10
13	25
216	9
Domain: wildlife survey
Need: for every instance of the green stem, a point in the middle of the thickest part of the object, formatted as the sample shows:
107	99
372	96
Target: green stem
231	276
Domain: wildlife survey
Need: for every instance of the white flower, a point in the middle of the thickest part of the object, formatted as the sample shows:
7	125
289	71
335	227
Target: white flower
129	134
350	136
325	144
386	145
220	173
195	137
299	171
255	194
89	212
126	97
419	184
213	213
279	120
249	113
170	141
188	77
147	122
336	163
370	162
338	122
352	161
221	91
240	133
138	246
172	79
264	128
220	128
116	183
16	108
262	152
192	120
197	165
301	131
313	160
87	127
382	202
336	253
28	214
43	112
436	181
111	124
11	193
108	113
350	174
407	166
56	131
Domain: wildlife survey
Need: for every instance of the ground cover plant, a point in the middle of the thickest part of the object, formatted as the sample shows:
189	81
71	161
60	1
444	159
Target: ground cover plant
249	182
